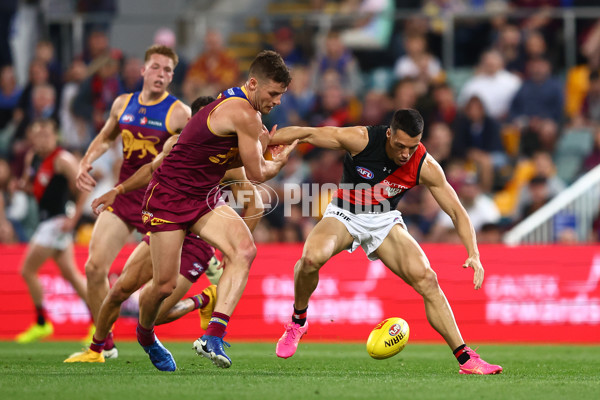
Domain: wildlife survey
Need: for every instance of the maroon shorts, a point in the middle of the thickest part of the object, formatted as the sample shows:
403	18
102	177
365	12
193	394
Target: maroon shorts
195	256
165	209
127	207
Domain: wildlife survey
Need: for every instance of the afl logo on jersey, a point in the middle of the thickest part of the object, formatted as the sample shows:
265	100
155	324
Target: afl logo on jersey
143	120
365	173
128	118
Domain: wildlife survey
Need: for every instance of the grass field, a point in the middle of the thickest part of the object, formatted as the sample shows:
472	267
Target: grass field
317	371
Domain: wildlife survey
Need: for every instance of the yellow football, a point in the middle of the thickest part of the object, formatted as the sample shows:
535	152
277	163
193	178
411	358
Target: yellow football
388	338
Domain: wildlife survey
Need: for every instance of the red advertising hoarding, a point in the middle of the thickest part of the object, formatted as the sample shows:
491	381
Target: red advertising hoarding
530	294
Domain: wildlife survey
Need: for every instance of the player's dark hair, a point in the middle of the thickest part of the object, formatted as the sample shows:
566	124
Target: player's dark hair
162	50
201	102
409	121
269	64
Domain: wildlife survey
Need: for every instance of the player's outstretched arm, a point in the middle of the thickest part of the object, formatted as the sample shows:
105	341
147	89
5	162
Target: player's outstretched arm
138	180
352	139
100	145
433	177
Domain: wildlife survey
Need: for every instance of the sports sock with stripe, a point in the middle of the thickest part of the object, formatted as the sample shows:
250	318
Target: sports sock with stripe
97	345
200	300
461	354
299	316
218	324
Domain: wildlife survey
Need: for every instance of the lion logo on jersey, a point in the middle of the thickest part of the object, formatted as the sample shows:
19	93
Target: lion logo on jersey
145	144
222	159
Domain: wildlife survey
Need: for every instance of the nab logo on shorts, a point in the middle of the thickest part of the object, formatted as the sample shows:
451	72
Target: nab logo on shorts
365	173
128	118
231	92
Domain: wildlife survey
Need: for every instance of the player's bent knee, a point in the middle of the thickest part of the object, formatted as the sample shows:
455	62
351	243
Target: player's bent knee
95	272
118	295
246	253
166	289
427	283
311	262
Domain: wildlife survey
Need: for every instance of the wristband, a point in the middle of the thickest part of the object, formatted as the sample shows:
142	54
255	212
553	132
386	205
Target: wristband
120	189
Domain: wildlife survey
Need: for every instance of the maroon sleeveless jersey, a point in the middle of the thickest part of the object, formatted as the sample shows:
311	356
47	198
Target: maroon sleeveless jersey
200	158
374	183
144	130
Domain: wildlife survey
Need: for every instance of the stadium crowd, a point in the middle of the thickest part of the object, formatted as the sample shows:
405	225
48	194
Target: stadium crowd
499	130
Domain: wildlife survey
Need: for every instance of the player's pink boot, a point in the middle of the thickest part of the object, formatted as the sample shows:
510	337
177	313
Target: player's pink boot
287	345
477	366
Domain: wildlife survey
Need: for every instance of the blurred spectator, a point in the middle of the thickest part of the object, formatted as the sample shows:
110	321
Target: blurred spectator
17	216
213	71
44	52
38	75
477	139
98	47
543	166
130	79
439	142
10	93
75	132
593	159
418	63
298	102
332	104
577	83
404	95
490	233
97	92
105	9
285	44
591	105
375	109
537	107
509	45
535	47
43	105
481	210
495	86
373	22
542	20
540	94
167	37
539	194
336	56
8	9
444	108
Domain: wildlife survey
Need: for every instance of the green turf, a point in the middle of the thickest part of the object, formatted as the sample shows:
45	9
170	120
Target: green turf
317	371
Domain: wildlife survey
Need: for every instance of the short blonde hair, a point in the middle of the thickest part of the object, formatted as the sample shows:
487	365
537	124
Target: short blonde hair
162	50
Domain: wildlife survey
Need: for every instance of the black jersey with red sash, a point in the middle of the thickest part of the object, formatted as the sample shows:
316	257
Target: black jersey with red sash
50	189
374	183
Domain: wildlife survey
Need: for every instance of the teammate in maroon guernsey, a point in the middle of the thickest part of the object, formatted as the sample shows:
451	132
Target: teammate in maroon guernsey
50	176
144	120
195	257
183	196
381	164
